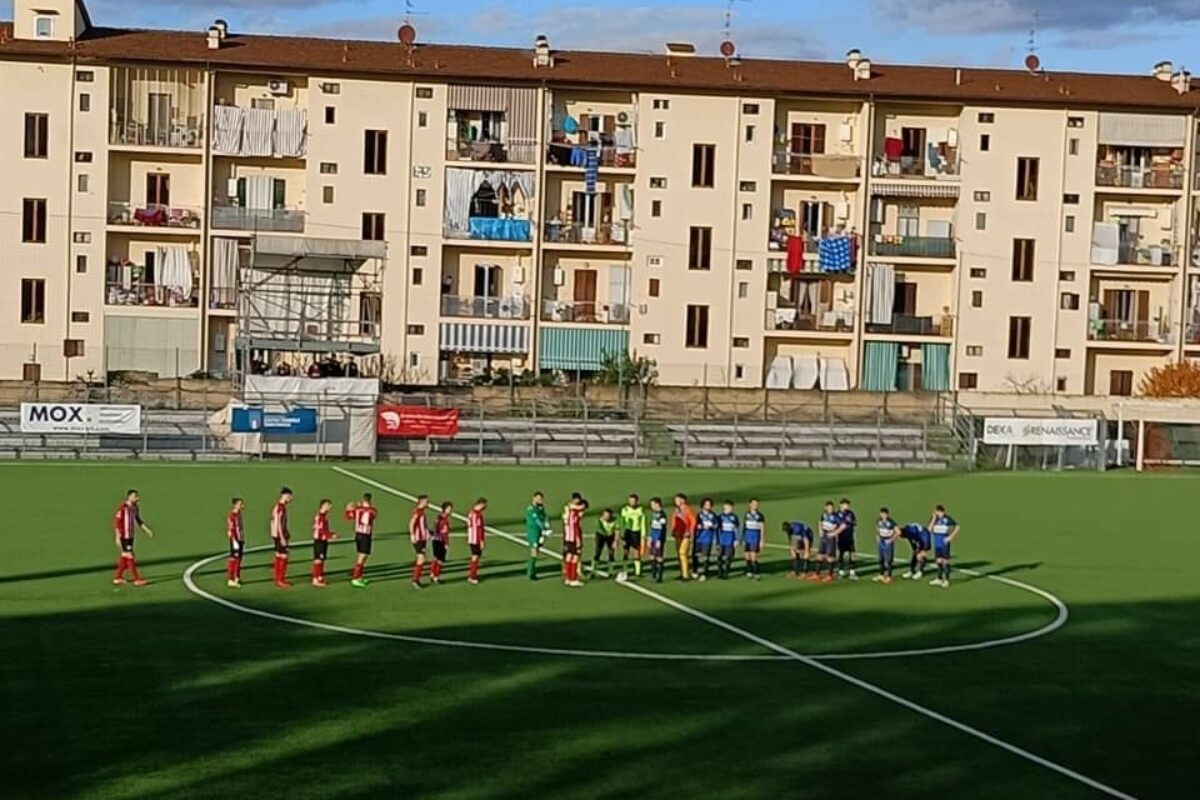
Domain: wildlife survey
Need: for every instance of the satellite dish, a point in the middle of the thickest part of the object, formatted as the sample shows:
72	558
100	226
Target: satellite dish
728	48
407	34
1032	63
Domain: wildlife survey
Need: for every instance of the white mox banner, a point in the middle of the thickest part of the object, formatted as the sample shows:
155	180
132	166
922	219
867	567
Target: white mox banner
1051	432
80	418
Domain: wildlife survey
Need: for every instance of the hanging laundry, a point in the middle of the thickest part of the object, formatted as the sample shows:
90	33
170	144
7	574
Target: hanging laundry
795	255
834	254
893	148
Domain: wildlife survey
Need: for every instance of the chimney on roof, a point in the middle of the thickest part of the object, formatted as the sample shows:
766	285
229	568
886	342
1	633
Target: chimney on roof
1163	70
214	38
542	57
853	56
223	27
1182	81
862	70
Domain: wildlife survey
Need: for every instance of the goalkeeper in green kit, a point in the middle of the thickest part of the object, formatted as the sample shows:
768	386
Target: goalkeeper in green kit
537	528
633	527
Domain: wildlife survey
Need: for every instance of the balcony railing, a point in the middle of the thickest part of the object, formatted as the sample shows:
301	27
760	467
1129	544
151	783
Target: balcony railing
485	307
493	229
1124	330
222	298
563	154
787	162
513	151
567	311
1164	176
275	220
575	233
1160	255
792	319
153	216
943	169
909	325
140	293
912	246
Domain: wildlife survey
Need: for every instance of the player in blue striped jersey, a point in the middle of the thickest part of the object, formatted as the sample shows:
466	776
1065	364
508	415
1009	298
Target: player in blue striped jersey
886	534
753	531
945	530
921	541
727	536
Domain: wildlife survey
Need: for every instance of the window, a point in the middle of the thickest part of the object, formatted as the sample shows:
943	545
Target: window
656	208
422	119
750	109
983	197
968	380
654	287
743	290
43	26
375	153
660	130
696	335
33	220
1069	223
1062	352
1120	382
333	88
1068	301
81	263
739	372
418	250
1018	337
327	195
748	186
978	272
658	183
974	350
414	360
1074	122
372	226
72	348
703	165
425	92
328	168
1022	260
1073	146
37	132
976	299
422	196
749	133
83	156
747	211
85	102
85	76
416	330
651	338
985	142
743	263
980	221
82	237
654	261
330	115
908	221
81	183
700	248
661	105
986	118
33	301
1027	179
418	276
1060	384
80	316
1066	275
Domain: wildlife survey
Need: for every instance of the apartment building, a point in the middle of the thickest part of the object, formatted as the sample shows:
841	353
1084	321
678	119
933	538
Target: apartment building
179	201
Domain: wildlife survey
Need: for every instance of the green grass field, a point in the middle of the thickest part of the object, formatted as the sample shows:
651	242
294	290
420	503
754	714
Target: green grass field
161	693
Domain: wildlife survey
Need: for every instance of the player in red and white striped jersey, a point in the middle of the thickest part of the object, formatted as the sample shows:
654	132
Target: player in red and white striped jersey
281	536
441	540
322	534
573	540
126	521
418	534
476	538
362	514
235	530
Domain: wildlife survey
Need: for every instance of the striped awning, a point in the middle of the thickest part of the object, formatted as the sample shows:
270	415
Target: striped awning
932	190
580	348
1143	130
472	337
519	106
477	98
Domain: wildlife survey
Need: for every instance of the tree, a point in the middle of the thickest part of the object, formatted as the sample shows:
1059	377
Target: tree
625	371
1181	379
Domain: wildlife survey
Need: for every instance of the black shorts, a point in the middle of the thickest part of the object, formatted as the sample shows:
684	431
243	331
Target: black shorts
828	547
362	543
703	547
281	546
127	545
571	548
606	540
237	548
633	540
845	543
419	547
439	550
320	549
476	550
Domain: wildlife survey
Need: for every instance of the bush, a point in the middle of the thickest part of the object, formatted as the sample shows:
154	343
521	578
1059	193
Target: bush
1181	379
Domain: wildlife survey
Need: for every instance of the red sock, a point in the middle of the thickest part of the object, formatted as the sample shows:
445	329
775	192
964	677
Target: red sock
119	572
278	578
418	571
473	571
357	572
231	569
574	570
436	569
133	568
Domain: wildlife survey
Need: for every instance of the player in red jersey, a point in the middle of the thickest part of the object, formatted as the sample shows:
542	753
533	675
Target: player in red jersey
441	540
476	538
418	534
362	514
322	534
281	536
573	540
236	531
125	523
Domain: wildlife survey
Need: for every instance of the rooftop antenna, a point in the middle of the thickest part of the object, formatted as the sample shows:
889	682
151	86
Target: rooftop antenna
1032	62
727	27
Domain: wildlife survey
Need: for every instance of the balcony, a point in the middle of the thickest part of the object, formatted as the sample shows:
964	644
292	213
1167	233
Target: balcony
485	307
275	220
1133	331
222	299
156	107
259	132
912	168
565	154
1168	176
181	218
173	284
489	151
492	229
826	166
823	321
587	312
607	233
909	325
892	246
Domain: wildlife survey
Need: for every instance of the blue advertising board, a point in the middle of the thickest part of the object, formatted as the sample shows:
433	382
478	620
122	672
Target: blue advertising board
296	422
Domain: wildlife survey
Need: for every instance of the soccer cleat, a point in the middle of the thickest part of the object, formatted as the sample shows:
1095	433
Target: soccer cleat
417	585
141	582
812	577
853	575
827	579
359	583
575	584
473	581
436	581
879	578
283	584
702	578
622	576
841	573
233	584
320	584
936	582
887	579
118	581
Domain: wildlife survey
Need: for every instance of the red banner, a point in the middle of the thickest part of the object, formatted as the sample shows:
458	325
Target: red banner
416	422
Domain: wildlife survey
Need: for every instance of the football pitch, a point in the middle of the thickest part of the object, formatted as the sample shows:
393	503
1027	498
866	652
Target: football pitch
1060	664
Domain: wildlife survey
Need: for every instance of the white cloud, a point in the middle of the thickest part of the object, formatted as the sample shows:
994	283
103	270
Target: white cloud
995	16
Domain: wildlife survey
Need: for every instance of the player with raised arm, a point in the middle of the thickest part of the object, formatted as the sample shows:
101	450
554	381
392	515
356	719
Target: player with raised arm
886	534
800	540
476	538
606	540
706	536
753	530
945	530
441	541
281	536
537	529
418	535
728	526
921	541
126	522
633	535
235	530
657	536
322	536
847	553
363	515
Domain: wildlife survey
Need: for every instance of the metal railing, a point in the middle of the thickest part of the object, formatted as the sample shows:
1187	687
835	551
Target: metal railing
1124	330
1166	176
593	312
175	133
485	307
153	216
1158	255
576	233
820	165
827	321
275	220
910	325
913	246
512	151
564	154
917	168
140	293
222	298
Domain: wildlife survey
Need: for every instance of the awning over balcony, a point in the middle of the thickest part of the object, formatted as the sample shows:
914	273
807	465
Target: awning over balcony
312	247
930	190
580	348
520	106
469	337
1143	130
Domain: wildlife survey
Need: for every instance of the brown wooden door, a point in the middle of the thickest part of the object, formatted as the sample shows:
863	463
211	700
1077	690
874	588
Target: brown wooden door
1141	330
906	299
158	189
585	295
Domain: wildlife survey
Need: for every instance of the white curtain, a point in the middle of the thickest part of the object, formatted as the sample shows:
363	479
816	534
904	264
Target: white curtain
618	285
779	374
175	271
224	262
260	192
625	202
291	126
461	185
1106	243
882	288
258	131
227	130
806	372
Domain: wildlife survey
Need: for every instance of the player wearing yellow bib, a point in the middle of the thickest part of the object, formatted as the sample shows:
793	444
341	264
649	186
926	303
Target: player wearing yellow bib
633	534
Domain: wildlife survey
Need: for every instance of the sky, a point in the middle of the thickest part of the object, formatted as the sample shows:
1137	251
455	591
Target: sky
1070	35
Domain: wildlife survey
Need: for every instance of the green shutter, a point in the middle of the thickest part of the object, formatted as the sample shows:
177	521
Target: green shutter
580	348
880	362
935	367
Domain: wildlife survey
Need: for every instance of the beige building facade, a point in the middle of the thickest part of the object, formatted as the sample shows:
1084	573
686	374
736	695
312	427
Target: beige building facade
744	224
